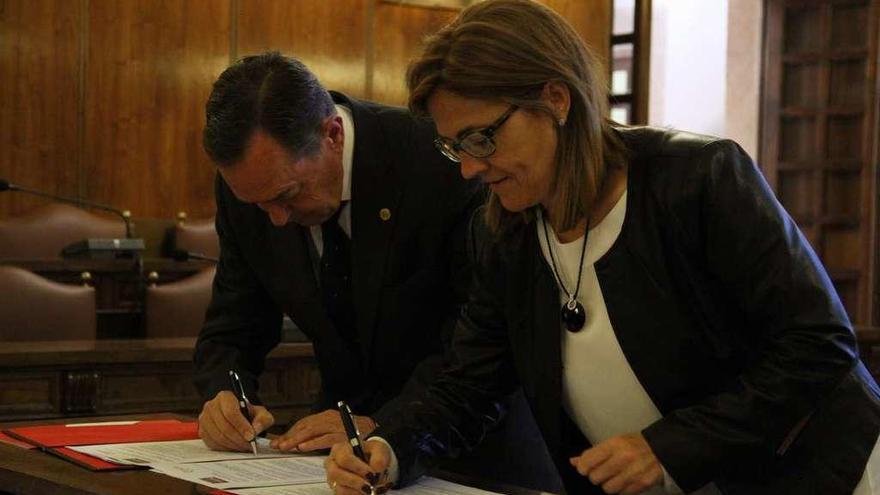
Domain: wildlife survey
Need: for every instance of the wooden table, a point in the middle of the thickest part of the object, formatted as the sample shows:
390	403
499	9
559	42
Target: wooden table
35	472
101	377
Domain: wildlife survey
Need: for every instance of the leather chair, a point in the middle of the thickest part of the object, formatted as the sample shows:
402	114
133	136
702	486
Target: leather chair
196	236
177	309
42	233
34	308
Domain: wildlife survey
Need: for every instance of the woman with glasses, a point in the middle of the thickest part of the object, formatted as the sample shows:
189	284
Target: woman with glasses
671	328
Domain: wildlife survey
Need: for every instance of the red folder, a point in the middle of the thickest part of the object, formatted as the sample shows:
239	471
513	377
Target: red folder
55	439
18	443
49	436
89	462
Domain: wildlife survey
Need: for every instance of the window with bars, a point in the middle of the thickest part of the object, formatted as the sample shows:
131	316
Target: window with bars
630	48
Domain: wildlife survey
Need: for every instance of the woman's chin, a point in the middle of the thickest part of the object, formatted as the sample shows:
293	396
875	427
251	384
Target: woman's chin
513	205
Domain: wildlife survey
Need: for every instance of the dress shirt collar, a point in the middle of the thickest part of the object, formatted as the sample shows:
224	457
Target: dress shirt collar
347	149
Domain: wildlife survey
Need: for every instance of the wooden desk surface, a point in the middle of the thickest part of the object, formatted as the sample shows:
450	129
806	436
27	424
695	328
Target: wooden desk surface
35	472
64	352
107	265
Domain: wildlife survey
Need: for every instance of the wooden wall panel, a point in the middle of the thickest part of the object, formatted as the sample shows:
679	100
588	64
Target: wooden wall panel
104	99
591	19
39	95
395	47
329	36
150	66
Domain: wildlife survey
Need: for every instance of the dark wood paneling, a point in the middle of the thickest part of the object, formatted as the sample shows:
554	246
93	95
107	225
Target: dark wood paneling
39	94
819	134
52	379
149	70
395	47
25	394
328	36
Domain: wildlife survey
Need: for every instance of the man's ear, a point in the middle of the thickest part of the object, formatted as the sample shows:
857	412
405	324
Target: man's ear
335	131
557	95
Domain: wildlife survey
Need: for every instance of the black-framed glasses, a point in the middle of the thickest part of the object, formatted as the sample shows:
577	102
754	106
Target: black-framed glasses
478	143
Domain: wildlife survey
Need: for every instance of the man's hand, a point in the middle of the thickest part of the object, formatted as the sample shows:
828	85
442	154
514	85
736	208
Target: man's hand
348	475
222	426
624	464
320	431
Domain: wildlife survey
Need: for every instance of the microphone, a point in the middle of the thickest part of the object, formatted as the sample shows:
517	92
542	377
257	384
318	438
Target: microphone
181	255
124	214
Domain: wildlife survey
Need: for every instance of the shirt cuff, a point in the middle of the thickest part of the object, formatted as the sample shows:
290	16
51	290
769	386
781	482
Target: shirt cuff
393	466
669	484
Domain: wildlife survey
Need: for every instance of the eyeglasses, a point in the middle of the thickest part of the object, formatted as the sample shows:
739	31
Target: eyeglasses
477	142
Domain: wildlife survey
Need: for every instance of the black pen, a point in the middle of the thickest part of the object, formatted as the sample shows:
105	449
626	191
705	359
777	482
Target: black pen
354	436
243	403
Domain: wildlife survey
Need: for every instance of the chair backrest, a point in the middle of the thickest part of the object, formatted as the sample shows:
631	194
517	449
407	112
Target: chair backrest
36	308
197	236
177	309
42	233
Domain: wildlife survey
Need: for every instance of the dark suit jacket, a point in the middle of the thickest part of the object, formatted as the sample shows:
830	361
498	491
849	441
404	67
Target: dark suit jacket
721	308
409	273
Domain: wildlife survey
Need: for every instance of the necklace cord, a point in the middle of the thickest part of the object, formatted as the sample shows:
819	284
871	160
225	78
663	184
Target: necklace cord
580	265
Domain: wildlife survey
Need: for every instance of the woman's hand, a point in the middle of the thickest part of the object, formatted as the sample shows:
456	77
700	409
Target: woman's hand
348	475
624	464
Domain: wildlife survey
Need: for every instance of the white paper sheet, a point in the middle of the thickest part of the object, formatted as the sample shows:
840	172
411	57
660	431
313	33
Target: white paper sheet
249	473
435	486
309	489
172	452
425	486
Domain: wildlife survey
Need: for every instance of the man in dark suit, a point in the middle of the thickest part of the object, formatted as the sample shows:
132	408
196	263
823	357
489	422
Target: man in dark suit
342	215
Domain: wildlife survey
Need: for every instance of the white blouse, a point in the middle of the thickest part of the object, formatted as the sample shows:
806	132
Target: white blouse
600	391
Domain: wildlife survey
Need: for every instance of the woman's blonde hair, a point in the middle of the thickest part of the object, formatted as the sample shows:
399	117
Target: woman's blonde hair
509	50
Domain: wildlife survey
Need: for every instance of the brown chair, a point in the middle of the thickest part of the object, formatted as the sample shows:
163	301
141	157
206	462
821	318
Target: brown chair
34	308
42	233
196	236
177	309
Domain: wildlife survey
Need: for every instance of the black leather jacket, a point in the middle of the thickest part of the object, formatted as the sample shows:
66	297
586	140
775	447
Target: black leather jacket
719	304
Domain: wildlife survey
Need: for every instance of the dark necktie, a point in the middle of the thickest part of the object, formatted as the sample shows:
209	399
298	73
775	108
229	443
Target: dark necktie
335	274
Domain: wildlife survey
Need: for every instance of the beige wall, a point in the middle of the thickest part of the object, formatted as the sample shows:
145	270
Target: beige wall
744	34
706	67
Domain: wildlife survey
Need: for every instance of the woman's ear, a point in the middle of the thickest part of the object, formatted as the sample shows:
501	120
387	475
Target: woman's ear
557	95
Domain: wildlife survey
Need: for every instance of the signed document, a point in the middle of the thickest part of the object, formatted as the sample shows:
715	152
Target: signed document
174	452
425	486
289	470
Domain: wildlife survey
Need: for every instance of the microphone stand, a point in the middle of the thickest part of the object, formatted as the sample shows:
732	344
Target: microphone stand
124	214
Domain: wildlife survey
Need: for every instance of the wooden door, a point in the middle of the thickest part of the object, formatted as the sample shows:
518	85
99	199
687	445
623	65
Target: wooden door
819	134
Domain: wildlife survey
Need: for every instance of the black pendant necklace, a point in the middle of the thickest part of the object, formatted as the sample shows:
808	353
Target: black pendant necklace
573	314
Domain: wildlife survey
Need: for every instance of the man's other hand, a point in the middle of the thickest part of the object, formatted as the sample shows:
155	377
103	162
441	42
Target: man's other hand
320	431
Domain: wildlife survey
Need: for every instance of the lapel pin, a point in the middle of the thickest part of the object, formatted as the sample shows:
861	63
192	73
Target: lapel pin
385	214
